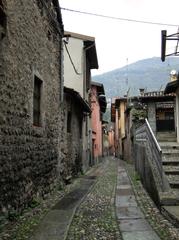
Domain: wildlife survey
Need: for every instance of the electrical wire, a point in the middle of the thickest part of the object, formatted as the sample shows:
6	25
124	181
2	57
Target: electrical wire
72	63
119	18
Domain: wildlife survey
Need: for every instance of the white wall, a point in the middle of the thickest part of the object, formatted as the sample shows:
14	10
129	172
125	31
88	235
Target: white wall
71	79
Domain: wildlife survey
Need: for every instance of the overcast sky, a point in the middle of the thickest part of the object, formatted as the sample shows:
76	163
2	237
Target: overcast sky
117	41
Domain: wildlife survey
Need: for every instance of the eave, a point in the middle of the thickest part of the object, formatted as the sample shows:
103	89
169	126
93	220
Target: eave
84	105
171	87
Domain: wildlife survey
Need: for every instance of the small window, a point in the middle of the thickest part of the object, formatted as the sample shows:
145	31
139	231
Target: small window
69	122
37	102
80	128
2	20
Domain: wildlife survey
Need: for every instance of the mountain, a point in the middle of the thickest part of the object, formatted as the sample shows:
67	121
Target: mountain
151	74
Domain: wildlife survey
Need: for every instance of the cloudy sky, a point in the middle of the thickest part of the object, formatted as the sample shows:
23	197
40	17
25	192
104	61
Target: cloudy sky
120	42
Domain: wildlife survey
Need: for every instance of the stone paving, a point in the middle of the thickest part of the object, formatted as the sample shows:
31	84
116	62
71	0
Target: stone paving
103	206
132	223
95	218
56	223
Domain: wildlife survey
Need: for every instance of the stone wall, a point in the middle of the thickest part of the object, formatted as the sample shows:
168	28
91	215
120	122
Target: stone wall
71	164
143	167
29	155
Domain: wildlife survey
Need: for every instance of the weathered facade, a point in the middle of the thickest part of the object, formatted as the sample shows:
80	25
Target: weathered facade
98	107
160	109
80	57
120	107
74	108
30	97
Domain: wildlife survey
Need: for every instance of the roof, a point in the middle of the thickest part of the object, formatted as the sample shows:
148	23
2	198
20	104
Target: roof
118	100
84	104
101	95
171	87
100	87
154	96
159	98
89	47
80	36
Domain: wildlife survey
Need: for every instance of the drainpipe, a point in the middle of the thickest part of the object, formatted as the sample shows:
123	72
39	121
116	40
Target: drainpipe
89	135
84	78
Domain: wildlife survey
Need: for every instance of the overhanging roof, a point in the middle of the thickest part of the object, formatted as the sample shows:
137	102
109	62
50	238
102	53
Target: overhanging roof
102	98
171	87
84	105
89	47
163	98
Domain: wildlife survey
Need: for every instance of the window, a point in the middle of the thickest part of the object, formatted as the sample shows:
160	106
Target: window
37	102
2	20
69	122
80	127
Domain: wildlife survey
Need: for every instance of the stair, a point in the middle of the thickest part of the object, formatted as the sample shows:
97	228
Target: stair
166	137
170	161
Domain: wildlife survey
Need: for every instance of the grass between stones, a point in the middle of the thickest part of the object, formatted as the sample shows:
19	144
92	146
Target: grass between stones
95	218
21	227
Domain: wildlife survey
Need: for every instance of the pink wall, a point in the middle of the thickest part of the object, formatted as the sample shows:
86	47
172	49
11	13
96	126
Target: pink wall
96	123
111	141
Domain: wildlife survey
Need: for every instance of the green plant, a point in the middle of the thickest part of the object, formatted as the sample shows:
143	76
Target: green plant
13	215
34	203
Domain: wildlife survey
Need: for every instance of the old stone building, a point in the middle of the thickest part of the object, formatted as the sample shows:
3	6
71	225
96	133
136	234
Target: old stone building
30	98
74	108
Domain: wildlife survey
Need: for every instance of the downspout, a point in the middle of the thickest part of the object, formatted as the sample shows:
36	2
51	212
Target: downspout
84	78
89	134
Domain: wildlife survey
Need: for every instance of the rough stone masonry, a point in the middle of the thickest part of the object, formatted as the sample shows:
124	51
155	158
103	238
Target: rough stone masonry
30	49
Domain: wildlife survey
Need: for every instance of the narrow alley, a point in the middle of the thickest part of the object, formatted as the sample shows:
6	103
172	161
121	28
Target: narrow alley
108	202
85	156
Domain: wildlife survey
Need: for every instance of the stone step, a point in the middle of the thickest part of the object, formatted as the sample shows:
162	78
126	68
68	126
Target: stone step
173	180
172	214
169	198
171	170
166	134
169	145
174	184
170	162
170	151
166	138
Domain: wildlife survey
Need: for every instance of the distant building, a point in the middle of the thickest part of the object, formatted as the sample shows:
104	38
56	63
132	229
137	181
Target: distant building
173	88
126	113
160	110
98	107
118	116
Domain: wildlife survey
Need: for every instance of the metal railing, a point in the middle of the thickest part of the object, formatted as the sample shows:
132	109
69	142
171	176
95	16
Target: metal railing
145	137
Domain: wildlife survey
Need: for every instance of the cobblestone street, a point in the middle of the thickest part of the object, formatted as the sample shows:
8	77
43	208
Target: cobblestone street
108	202
95	218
